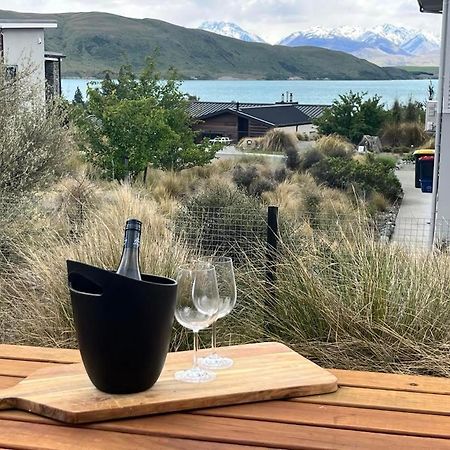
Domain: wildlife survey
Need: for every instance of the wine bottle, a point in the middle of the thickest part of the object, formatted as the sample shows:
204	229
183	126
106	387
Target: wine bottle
129	262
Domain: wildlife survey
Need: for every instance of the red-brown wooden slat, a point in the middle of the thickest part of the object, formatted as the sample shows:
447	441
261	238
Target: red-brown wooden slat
15	434
338	417
41	354
271	434
17	368
409	383
254	432
383	399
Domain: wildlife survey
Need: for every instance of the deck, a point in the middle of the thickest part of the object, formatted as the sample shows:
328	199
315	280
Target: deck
369	411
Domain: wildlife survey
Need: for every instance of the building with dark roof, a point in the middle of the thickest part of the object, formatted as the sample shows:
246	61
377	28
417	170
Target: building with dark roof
239	120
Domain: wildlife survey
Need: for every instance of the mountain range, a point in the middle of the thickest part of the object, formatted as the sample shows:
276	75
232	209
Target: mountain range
383	44
95	43
231	30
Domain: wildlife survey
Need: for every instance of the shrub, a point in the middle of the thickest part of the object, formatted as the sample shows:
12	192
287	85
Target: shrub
334	146
378	202
34	305
413	134
310	157
34	139
365	178
292	158
302	136
400	150
391	135
280	174
336	303
222	219
244	176
278	141
261	185
404	134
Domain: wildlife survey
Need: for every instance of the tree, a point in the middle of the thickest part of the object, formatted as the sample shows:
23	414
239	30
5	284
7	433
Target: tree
78	97
396	112
138	120
353	116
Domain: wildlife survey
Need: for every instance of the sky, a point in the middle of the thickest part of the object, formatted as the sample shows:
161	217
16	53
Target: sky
270	19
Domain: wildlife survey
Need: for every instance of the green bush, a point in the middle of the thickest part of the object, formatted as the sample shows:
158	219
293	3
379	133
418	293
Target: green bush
373	175
261	185
243	176
293	159
222	219
334	145
311	157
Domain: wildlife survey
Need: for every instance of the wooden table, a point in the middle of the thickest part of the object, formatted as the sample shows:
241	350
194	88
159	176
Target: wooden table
370	410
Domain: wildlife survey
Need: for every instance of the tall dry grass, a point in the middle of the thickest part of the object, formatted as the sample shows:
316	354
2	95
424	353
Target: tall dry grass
334	145
34	300
348	301
278	141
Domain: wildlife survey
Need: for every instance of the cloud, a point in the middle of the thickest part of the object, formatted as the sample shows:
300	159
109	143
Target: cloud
271	19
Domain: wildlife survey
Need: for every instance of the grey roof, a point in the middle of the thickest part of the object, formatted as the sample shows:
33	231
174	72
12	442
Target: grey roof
200	110
277	115
431	6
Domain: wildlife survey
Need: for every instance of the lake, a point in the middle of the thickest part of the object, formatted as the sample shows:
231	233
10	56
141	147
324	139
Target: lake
304	91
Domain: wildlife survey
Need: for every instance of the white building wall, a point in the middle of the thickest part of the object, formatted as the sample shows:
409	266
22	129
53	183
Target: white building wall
309	129
25	48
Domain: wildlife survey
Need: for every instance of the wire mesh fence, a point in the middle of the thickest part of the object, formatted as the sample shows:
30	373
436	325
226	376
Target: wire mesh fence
239	233
222	230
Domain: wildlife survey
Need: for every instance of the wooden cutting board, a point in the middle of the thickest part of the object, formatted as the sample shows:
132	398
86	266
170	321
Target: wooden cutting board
264	371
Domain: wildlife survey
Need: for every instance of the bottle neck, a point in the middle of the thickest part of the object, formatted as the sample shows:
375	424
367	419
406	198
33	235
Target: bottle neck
129	262
132	239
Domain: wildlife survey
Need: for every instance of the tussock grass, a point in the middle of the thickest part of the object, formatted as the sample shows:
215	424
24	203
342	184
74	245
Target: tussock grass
278	141
352	302
334	145
34	301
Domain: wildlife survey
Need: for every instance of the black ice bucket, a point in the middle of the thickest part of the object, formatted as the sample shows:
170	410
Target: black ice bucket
123	326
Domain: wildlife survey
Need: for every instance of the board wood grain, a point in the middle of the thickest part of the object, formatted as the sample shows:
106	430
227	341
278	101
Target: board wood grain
271	371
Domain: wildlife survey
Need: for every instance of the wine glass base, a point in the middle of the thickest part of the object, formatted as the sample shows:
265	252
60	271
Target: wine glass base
195	375
215	361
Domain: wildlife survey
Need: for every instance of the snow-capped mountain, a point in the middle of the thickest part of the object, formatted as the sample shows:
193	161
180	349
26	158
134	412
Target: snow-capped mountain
231	30
383	44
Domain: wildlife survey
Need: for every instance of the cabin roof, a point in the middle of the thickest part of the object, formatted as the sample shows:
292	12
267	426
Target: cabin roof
292	113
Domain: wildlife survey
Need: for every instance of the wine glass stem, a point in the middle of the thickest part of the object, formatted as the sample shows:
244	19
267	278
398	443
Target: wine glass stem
195	349
213	339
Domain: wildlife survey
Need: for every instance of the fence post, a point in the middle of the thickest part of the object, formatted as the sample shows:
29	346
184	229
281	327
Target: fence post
272	256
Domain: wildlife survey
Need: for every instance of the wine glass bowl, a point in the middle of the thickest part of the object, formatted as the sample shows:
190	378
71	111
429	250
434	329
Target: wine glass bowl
196	308
227	295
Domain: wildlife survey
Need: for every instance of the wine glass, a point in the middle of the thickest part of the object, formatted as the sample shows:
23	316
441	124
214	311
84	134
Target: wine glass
227	294
196	308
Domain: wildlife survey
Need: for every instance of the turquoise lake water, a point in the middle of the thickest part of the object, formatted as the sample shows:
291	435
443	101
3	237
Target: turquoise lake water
304	91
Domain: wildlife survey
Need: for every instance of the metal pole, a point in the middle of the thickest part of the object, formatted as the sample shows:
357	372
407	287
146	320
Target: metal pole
440	101
271	268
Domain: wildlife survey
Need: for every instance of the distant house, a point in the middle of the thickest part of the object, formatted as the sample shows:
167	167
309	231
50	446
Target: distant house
240	120
22	46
